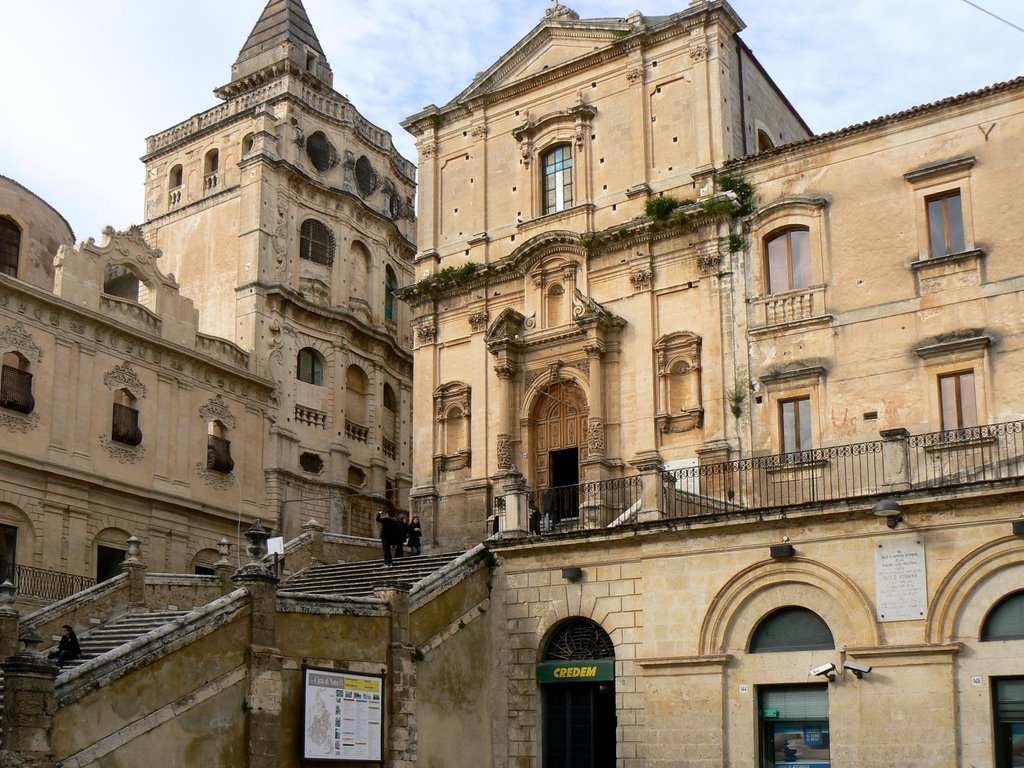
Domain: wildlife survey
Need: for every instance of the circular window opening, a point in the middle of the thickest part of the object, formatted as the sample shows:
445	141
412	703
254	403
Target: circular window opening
311	462
321	152
366	176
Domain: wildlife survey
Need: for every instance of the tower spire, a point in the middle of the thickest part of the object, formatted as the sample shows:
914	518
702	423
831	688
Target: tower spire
282	40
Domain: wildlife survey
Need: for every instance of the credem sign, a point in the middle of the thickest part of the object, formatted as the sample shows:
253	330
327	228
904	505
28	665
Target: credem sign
575	671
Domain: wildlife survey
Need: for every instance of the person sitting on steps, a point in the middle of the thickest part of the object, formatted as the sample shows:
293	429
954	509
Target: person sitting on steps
68	648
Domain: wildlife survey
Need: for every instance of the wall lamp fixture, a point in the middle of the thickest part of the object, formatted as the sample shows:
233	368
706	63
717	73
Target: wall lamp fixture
572	573
891	510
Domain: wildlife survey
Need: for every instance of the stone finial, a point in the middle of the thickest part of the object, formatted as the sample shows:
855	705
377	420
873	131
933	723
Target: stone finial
7	593
312	525
134	549
224	550
257	537
29	639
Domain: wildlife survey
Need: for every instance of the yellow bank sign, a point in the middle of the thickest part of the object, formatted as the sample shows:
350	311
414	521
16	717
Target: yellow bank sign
575	671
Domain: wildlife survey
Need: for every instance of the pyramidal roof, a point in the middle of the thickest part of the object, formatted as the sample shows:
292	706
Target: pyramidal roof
283	40
282	21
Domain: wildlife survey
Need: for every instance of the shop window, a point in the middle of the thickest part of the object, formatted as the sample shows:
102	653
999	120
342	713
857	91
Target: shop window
795	424
788	260
218	448
1008	706
557	170
124	426
10	246
316	242
945	224
794	726
958	400
16	384
791	629
1006	620
310	367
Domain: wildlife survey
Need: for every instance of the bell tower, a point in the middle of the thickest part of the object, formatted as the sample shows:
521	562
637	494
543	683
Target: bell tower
288	219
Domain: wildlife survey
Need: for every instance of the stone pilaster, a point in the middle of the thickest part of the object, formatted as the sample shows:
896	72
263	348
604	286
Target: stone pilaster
9	618
895	459
263	701
402	739
517	513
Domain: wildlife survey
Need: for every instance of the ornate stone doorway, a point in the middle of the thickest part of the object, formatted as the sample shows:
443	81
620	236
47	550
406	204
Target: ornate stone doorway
559	435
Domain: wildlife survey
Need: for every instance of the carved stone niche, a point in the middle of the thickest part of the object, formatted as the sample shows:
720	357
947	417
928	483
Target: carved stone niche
452	427
680	408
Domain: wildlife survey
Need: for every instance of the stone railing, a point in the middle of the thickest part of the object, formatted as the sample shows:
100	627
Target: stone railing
132	313
791	306
357	432
310	416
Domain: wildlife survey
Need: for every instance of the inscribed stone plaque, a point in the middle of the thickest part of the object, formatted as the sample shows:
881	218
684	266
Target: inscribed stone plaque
900	585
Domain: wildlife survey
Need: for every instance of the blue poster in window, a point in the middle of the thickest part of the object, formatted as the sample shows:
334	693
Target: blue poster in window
813	737
800	745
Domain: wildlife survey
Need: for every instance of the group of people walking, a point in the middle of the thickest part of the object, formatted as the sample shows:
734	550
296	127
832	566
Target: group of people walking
396	532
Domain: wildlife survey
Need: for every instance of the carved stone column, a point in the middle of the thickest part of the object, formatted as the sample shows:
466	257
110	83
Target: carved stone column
595	425
505	373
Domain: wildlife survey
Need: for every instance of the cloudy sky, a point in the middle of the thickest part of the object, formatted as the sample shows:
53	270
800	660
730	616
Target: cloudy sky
85	81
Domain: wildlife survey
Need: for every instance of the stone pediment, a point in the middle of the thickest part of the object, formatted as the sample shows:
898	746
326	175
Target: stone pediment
554	43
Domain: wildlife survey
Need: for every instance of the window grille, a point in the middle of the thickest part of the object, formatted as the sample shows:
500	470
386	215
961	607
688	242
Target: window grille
16	390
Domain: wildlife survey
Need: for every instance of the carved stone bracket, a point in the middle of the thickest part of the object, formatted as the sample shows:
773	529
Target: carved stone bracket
505	370
699	52
504	451
635	75
126	454
124	377
692	418
460	460
709	261
15	422
218	480
426	332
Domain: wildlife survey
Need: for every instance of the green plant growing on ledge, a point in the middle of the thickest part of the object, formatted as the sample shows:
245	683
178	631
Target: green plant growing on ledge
746	196
737	242
449	277
717	207
590	240
437	120
660	208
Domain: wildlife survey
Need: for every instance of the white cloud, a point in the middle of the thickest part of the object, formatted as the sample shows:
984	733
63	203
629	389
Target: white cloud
85	83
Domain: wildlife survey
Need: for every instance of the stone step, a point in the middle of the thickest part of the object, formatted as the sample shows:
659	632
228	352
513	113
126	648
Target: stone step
120	631
361	578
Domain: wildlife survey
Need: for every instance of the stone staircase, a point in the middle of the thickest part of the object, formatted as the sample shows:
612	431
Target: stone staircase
121	630
362	578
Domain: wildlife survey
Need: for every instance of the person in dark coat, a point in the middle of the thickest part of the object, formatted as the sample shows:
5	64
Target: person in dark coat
388	534
401	534
415	536
68	648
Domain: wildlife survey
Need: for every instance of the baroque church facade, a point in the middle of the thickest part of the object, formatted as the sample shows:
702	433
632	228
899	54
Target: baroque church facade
722	412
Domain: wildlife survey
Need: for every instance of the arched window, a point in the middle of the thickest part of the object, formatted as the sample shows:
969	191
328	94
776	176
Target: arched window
121	282
389	423
390	286
247	144
357	390
764	141
10	246
16	384
218	448
358	271
788	260
211	165
390	401
579	639
124	426
316	242
174	182
1006	620
310	368
557	169
791	629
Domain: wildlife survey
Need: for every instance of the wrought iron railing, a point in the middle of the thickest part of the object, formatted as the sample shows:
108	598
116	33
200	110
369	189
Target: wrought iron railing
767	483
48	585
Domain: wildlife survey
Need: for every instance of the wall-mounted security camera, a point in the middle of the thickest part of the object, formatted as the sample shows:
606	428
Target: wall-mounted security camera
825	670
859	670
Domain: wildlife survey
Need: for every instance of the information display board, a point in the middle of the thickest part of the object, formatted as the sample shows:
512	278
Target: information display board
343	715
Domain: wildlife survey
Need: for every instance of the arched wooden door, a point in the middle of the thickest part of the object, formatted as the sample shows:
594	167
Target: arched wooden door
559	433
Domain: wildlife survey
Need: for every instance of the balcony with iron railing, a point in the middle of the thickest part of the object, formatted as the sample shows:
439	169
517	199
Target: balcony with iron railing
42	584
898	463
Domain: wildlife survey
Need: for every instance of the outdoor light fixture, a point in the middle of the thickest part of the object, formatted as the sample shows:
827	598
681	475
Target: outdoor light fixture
572	574
782	550
891	510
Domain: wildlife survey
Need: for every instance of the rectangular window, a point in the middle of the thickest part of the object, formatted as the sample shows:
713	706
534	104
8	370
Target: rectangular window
558	179
794	726
945	224
789	262
795	424
1008	703
957	400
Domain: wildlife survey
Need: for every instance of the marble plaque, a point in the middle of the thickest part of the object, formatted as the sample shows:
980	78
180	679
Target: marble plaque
901	592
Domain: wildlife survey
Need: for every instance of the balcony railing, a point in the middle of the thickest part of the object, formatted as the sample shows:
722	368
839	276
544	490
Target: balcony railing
898	463
47	585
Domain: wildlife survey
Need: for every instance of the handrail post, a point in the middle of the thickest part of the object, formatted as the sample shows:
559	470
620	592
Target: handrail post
652	492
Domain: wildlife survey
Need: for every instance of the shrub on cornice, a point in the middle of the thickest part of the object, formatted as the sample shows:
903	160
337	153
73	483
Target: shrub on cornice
744	191
737	242
590	240
717	206
443	280
660	208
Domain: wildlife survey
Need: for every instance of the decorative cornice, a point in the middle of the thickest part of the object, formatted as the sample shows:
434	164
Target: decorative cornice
124	377
216	409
